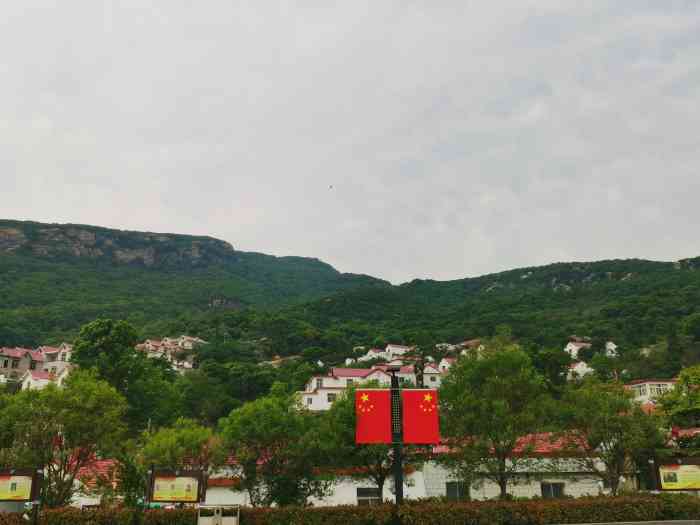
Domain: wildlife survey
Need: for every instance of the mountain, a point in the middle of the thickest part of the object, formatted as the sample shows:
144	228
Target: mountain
54	277
636	302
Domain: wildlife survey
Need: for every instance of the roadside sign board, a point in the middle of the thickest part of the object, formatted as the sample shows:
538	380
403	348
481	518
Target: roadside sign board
679	477
18	485
176	487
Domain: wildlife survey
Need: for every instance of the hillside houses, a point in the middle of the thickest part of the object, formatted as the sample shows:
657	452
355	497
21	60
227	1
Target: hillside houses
14	362
577	344
177	351
650	390
34	369
322	390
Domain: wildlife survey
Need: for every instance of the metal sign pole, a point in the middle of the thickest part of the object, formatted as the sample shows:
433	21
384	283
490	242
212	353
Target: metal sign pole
397	434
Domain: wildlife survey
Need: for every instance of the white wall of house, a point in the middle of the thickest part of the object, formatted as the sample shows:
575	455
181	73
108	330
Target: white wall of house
320	399
431	481
650	390
578	370
527	485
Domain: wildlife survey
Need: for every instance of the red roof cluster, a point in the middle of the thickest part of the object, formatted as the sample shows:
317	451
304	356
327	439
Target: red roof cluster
19	353
99	470
542	444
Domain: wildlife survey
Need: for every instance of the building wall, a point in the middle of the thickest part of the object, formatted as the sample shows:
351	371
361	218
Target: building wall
431	482
527	486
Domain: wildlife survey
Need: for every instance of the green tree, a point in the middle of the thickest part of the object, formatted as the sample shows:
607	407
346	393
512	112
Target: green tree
108	347
608	430
492	402
204	398
553	364
681	405
63	430
184	445
276	448
691	327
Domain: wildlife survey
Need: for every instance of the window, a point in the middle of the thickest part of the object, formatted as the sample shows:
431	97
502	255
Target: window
368	496
319	382
6	363
349	382
32	365
62	357
433	379
330	397
552	490
456	490
309	400
15	363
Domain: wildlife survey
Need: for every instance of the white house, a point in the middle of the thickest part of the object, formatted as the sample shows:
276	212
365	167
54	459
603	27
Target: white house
578	370
576	344
574	347
446	363
57	359
39	379
171	349
649	390
432	377
373	353
321	391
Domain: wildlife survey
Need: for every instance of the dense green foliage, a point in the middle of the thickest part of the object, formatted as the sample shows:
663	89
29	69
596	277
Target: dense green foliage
299	304
496	399
543	512
48	292
62	429
618	436
277	449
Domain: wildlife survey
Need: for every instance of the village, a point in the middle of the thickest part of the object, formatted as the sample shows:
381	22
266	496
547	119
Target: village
546	469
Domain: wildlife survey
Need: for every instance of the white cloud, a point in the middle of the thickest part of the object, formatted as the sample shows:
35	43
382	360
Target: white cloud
398	139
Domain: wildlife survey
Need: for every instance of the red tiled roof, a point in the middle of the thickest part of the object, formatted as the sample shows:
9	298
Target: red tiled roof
17	353
403	370
580	345
223	482
350	372
543	444
48	349
642	381
39	375
37	355
99	470
686	432
449	359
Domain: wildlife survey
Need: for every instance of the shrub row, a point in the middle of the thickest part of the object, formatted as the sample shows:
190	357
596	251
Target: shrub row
535	512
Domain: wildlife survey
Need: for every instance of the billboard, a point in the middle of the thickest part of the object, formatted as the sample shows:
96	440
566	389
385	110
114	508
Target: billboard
172	487
17	485
679	477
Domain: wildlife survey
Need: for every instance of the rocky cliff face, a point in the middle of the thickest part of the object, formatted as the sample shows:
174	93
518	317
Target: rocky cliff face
120	247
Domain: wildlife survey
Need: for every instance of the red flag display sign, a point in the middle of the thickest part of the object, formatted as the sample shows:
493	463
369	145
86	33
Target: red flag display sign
373	411
420	417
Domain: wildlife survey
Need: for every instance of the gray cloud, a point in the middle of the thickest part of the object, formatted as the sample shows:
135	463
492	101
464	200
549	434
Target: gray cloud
400	139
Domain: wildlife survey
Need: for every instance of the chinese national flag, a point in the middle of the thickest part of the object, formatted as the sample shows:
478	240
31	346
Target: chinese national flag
420	417
373	409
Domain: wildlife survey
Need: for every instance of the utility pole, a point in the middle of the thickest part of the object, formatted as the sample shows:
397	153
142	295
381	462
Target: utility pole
397	433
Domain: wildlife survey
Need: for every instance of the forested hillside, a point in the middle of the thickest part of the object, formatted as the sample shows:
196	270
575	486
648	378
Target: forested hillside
55	278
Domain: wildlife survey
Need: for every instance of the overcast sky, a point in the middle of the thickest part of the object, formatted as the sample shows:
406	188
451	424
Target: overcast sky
431	139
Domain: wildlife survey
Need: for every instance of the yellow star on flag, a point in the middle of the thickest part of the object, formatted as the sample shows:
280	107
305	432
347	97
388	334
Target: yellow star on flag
364	398
428	397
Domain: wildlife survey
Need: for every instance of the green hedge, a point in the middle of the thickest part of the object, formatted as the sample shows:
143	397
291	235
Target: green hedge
533	512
